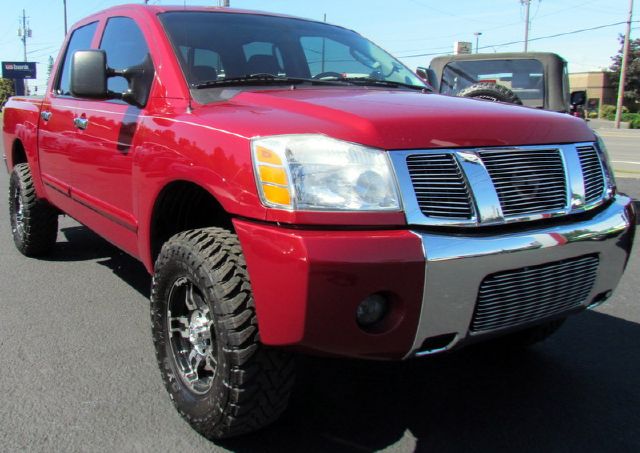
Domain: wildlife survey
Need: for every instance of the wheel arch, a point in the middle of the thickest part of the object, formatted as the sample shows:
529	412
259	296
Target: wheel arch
183	205
18	154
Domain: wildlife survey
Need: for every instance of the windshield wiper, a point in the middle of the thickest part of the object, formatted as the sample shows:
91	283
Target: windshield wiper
252	79
387	83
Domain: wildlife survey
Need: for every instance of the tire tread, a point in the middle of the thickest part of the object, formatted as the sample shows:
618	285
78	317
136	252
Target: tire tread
40	218
260	379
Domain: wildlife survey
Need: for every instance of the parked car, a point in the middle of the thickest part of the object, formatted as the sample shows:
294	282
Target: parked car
293	188
534	79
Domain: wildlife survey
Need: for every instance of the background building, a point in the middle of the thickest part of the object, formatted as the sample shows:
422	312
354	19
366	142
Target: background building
598	87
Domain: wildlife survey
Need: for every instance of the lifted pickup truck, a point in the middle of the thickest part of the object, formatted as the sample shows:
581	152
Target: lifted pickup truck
294	188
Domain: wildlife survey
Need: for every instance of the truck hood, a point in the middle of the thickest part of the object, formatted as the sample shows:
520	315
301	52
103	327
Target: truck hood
395	119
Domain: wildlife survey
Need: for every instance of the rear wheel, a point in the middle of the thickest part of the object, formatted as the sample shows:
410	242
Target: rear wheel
34	222
222	380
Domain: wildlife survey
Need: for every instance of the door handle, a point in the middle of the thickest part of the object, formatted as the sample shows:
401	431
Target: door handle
81	123
45	115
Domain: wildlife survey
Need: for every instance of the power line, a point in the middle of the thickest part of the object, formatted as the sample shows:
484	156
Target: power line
447	13
42	49
482	30
531	39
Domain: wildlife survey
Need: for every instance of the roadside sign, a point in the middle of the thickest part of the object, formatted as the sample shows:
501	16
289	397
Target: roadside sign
461	47
18	70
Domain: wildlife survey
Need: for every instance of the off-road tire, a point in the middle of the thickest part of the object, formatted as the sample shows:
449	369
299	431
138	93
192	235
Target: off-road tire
34	222
490	92
526	338
252	384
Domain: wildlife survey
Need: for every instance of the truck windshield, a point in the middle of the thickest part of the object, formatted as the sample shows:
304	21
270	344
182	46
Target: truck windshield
218	47
524	77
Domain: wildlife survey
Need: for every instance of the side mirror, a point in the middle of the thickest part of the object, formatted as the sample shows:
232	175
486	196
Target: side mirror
429	75
579	97
140	78
89	74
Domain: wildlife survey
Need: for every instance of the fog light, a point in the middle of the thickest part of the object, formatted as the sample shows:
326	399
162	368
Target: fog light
371	310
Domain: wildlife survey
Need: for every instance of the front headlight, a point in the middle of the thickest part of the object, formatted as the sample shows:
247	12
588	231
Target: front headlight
315	172
611	179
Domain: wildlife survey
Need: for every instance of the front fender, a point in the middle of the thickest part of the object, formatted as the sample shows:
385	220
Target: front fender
172	149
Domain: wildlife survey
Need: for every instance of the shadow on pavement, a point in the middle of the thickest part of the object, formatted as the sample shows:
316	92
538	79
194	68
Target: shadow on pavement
578	391
84	245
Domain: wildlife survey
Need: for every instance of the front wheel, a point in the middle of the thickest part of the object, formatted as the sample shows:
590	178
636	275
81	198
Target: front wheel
34	222
222	380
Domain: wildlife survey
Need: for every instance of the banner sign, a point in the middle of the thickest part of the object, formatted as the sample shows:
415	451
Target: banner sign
18	70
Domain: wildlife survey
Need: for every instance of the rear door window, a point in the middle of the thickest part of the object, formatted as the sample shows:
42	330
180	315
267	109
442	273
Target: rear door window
80	40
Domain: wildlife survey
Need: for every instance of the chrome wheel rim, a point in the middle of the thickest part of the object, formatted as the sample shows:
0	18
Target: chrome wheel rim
191	336
17	220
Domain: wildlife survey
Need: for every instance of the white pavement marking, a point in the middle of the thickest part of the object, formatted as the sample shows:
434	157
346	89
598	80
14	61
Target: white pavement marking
625	162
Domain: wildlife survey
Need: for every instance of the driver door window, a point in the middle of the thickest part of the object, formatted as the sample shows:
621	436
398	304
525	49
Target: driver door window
125	46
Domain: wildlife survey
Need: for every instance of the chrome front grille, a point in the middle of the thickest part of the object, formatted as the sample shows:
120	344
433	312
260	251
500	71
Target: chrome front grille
439	186
493	186
520	296
592	173
527	182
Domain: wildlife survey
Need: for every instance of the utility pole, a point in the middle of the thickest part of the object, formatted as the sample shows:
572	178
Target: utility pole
623	68
64	3
477	35
527	5
224	3
24	33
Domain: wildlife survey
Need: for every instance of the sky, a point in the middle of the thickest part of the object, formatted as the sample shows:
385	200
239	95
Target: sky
412	30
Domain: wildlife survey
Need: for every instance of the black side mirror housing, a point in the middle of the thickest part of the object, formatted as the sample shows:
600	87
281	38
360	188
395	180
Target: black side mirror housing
89	74
578	97
140	78
428	75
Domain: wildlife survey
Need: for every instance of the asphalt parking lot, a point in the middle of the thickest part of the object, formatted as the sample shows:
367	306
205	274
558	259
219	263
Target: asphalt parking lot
78	373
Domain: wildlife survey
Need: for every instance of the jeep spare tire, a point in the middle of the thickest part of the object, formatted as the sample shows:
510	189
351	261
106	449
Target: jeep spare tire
490	92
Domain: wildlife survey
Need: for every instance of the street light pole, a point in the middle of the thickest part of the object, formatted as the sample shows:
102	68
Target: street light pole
623	67
527	4
477	35
64	3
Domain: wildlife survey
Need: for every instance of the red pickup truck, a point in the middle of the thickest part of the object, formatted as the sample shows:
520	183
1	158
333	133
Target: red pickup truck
292	187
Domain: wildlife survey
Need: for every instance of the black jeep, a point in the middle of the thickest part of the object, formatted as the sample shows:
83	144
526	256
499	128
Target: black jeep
533	79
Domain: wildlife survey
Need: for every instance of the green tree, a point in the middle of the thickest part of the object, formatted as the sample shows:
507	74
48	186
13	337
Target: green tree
6	90
632	82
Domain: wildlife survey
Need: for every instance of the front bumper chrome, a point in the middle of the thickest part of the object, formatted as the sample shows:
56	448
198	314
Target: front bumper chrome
456	265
